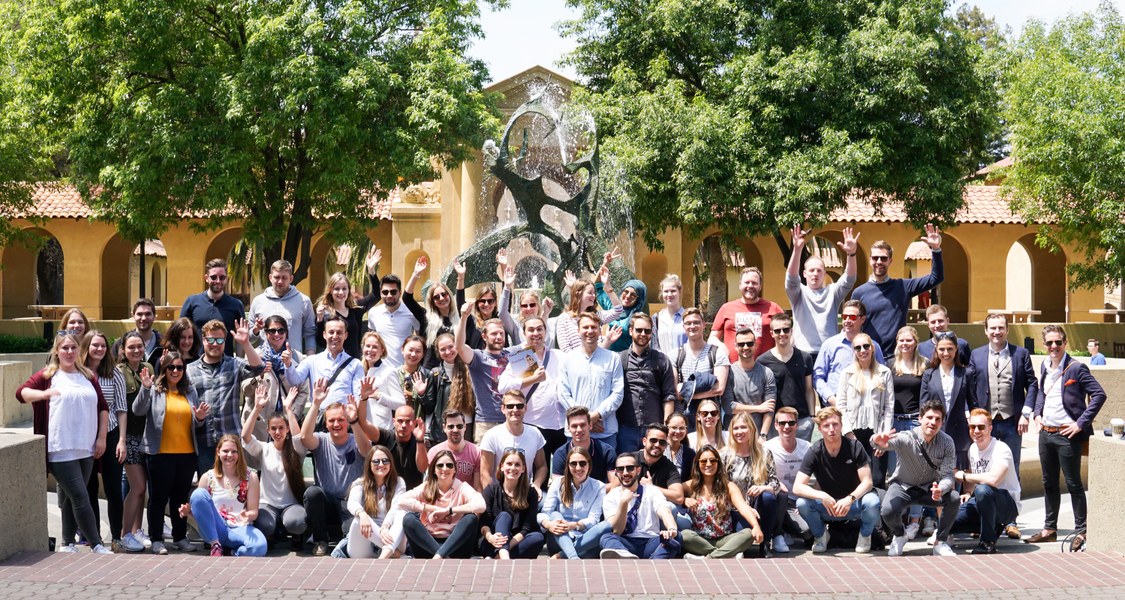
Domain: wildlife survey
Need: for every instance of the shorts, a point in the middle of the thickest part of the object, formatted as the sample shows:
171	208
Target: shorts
133	453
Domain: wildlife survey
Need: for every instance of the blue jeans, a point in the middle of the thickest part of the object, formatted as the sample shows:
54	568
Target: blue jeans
815	514
766	505
528	547
584	546
246	540
986	512
644	547
629	438
1006	431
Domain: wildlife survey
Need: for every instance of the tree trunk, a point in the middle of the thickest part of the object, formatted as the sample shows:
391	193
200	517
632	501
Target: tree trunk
716	275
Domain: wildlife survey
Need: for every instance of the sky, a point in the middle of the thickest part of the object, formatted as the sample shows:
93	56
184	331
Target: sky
523	35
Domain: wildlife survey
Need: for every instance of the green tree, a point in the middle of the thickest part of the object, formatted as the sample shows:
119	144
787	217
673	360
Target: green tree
752	116
1065	104
294	115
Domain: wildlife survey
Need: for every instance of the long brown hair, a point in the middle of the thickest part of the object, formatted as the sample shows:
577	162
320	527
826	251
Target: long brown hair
566	494
519	496
461	396
105	368
291	462
575	300
371	486
430	489
480	317
240	467
720	488
171	341
161	384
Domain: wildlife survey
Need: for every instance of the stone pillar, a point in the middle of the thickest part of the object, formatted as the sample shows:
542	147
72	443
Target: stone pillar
1105	488
23	501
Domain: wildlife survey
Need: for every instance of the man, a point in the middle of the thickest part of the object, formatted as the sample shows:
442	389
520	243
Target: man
1093	346
342	372
465	453
535	370
937	318
214	304
409	449
641	518
513	434
837	352
485	368
887	299
339	458
144	313
751	310
668	325
1006	385
789	453
392	319
650	385
218	380
592	377
602	454
815	304
753	389
701	367
991	495
923	475
284	300
792	373
1068	399
844	490
657	470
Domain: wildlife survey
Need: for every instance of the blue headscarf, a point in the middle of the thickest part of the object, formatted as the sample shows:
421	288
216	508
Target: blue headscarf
641	305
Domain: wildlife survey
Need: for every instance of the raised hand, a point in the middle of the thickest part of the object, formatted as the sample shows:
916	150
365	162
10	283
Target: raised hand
547	305
146	377
290	398
262	394
419	383
569	278
374	255
932	237
509	277
609	256
287	355
419	430
367	388
320	391
242	332
459	268
502	257
613	334
351	409
850	243
201	411
798	238
467	307
421	265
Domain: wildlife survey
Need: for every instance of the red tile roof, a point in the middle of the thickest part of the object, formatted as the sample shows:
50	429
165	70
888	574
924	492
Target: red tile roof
983	204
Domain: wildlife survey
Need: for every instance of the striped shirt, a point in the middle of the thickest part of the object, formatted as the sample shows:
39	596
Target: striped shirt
913	469
113	388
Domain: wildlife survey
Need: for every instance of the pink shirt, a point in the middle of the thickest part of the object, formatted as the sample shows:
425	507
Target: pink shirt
459	494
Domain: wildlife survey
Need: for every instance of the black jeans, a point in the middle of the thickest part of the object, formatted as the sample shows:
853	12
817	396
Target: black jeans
169	482
71	477
328	519
1055	451
423	544
111	471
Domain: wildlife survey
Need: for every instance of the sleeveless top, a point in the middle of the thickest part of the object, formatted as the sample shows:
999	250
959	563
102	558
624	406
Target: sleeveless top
229	504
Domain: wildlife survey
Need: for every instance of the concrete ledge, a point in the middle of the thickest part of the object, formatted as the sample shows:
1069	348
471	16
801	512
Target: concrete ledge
23	511
12	411
1106	487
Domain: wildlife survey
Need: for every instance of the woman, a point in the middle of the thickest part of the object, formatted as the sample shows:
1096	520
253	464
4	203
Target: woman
634	299
225	503
173	410
583	298
439	315
865	394
483	309
750	466
947	380
682	455
373	351
710	430
338	301
572	509
529	303
507	526
74	321
281	508
181	338
711	499
450	389
409	382
376	529
73	422
132	430
276	335
907	367
94	353
442	513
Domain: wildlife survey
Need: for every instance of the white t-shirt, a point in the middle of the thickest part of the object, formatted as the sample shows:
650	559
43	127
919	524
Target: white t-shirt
274	484
648	517
997	453
788	463
393	327
498	439
73	426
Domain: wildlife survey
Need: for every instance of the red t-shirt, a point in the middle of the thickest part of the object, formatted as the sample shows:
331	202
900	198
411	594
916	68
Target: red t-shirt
736	314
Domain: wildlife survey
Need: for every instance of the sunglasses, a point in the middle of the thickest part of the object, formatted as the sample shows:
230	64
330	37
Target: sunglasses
1053	343
578	464
455	426
708	461
782	330
215	341
744	344
444	466
708	413
785	423
658	441
848	317
514	406
440	296
642	331
532	305
486	301
380	461
176	368
217	277
945	335
861	347
276	331
880	259
625	468
973	427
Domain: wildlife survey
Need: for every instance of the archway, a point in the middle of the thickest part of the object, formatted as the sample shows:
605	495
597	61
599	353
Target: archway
116	277
1018	269
823	244
156	286
1048	281
953	292
654	267
32	275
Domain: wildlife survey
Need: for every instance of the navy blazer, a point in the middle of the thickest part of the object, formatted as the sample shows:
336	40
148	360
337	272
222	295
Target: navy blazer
1025	387
964	400
926	350
1078	385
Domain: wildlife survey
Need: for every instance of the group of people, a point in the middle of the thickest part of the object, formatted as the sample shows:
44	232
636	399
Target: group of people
441	426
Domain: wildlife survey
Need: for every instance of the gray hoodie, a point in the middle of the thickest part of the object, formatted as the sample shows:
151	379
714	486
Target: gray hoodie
295	308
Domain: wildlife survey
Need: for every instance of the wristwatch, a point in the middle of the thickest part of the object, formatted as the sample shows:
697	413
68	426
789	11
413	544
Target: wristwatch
852	496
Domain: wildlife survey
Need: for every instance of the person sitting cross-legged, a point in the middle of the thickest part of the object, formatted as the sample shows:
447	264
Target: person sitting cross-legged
991	495
642	521
712	499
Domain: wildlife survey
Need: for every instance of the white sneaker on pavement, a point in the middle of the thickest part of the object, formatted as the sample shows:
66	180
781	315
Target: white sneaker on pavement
820	544
898	542
616	553
66	549
932	539
943	549
863	544
928	525
131	544
100	549
158	548
694	556
779	544
912	530
142	537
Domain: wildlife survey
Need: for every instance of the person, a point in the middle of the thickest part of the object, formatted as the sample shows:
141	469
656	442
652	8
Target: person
591	376
442	514
339	301
73	422
376	370
751	311
656	469
681	454
887	299
947	380
183	338
583	299
408	448
438	316
449	389
865	397
815	304
132	431
751	467
937	319
392	319
531	304
212	304
701	367
280	467
376	529
668	333
844	490
144	314
481	310
837	352
924	475
337	462
649	394
217	379
1093	346
508	524
74	321
907	368
94	353
281	298
1006	386
1067	402
485	367
571	517
752	386
634	300
641	521
407	384
709	430
170	442
711	499
342	372
600	454
792	370
273	378
513	434
465	453
990	499
789	453
535	370
225	503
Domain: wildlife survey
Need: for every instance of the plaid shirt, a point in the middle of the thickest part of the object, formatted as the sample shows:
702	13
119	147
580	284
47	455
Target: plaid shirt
220	386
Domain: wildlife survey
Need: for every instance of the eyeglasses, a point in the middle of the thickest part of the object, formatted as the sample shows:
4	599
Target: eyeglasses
276	331
945	335
176	368
708	461
658	441
880	259
455	426
215	341
445	466
1053	343
744	344
677	429
973	427
388	292
380	461
642	331
861	347
514	406
848	317
217	277
785	423
530	305
782	330
625	468
708	413
578	464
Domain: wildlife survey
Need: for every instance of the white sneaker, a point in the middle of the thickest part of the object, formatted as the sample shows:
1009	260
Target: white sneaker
932	539
738	556
779	544
142	537
694	556
863	544
821	543
184	545
158	548
929	525
943	549
100	549
615	553
912	530
131	543
898	542
66	549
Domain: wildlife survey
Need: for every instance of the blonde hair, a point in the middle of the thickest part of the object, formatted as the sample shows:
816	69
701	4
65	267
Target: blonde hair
53	358
325	300
758	468
900	366
717	434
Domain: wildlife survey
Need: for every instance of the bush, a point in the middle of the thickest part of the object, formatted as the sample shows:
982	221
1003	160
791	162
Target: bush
18	344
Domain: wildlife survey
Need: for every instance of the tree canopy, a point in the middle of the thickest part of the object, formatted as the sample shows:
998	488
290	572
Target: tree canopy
752	116
293	115
1065	105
